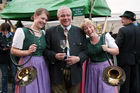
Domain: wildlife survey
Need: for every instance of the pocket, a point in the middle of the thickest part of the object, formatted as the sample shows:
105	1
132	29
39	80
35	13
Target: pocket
75	48
79	43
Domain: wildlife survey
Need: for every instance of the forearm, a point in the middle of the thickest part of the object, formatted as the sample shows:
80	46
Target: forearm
113	51
18	52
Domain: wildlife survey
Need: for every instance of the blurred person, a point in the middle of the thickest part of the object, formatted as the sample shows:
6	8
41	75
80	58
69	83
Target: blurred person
128	39
136	22
65	63
25	43
6	37
97	46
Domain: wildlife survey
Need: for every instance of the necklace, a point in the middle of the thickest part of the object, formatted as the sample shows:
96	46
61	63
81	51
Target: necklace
95	40
36	31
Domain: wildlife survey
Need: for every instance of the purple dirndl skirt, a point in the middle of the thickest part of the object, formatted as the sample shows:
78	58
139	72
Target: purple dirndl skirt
94	81
42	82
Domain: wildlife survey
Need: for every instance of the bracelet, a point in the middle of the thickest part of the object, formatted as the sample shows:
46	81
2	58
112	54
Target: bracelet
22	53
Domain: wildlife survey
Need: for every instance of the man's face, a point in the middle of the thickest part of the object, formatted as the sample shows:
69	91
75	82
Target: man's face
125	21
65	17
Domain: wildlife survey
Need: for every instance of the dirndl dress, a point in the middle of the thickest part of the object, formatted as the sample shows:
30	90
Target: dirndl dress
42	82
94	80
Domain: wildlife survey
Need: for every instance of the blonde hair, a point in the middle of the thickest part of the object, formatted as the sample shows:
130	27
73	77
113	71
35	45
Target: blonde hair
86	22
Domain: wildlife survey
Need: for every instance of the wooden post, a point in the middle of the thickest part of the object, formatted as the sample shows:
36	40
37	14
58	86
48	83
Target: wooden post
91	8
12	26
105	25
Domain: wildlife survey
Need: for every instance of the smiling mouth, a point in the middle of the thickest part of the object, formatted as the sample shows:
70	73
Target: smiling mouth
66	21
90	32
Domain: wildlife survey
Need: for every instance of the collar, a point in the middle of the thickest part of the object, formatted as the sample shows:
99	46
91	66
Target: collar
9	34
68	27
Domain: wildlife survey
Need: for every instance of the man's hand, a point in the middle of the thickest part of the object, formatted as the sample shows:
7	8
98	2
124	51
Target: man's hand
60	56
72	60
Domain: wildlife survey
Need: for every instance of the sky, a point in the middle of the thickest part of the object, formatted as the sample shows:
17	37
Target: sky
119	6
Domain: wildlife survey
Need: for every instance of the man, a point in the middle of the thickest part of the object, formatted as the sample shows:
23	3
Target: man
65	67
128	41
136	22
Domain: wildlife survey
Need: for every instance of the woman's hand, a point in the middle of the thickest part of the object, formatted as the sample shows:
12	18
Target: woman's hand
105	48
32	48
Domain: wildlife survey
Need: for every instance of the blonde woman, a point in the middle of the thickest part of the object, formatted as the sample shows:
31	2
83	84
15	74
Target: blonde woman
96	46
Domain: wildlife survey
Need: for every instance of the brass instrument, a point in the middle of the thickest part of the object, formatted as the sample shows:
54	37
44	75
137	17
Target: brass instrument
25	75
114	75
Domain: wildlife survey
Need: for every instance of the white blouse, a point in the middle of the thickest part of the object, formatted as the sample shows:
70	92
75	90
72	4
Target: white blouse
110	41
18	38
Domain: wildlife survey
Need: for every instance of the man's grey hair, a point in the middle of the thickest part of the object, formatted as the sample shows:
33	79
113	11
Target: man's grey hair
63	8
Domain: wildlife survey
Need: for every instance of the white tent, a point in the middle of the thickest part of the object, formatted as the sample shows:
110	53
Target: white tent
119	6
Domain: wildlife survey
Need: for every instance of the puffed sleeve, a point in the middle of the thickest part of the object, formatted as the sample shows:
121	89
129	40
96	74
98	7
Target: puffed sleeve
110	41
18	38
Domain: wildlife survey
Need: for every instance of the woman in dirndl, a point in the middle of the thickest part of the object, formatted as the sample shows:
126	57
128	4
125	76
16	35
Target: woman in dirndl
98	62
25	43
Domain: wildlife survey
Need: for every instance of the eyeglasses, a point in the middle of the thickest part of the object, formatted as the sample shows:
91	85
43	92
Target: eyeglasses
67	15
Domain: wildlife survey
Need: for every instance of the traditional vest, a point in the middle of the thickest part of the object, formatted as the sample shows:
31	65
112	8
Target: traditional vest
96	52
31	39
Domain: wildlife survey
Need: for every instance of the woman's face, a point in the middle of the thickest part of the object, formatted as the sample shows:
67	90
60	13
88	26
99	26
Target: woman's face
40	20
89	30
